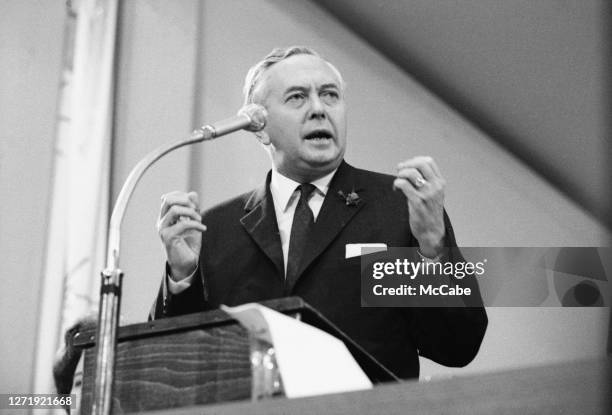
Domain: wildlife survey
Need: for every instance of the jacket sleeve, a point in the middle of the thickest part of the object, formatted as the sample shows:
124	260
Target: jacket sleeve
191	300
451	336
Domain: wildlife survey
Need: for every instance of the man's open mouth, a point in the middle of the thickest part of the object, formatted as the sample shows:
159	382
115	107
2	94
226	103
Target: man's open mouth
318	135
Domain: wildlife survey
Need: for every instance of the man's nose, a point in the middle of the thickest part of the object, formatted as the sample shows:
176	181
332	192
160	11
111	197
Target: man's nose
317	109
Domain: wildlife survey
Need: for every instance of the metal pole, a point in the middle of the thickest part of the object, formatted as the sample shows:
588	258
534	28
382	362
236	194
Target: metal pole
251	117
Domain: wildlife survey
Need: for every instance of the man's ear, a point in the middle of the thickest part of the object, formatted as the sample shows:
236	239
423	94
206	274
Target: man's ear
263	137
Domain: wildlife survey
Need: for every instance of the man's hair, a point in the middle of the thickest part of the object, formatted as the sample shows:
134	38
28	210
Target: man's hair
278	54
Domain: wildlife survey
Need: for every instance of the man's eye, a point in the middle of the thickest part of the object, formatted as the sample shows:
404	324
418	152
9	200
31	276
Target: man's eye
330	96
295	98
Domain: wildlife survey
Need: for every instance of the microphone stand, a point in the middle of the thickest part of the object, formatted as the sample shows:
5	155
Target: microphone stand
251	117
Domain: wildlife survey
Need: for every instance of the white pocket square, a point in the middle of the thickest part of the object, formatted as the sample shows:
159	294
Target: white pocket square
353	250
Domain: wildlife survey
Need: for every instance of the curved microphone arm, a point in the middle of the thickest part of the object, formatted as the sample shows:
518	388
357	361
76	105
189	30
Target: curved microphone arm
252	118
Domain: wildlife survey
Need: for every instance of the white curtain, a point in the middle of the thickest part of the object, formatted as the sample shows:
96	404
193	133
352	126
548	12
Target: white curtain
76	238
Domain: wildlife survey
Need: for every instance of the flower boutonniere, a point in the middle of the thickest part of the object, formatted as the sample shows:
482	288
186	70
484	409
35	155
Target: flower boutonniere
351	198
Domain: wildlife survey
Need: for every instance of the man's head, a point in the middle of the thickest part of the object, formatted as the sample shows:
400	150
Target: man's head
305	131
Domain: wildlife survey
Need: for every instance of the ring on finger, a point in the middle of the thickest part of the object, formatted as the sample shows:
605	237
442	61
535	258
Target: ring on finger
419	182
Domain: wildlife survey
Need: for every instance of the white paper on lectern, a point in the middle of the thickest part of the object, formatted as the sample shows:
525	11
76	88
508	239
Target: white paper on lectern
311	361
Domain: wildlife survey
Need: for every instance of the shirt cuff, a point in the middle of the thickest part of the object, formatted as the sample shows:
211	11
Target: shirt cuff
433	260
177	287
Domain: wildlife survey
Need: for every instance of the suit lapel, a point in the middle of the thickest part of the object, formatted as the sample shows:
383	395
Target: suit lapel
333	217
260	222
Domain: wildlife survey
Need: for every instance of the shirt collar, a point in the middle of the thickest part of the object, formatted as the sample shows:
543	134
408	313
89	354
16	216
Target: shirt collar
282	187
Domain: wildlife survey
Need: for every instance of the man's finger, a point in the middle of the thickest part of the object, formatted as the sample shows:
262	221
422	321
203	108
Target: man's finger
187	225
413	175
424	164
194	198
408	189
175	212
178	198
436	169
180	227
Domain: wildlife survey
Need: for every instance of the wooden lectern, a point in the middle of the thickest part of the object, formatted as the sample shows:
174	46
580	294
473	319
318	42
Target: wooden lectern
195	359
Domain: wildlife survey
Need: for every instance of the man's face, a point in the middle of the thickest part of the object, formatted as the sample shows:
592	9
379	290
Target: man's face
306	125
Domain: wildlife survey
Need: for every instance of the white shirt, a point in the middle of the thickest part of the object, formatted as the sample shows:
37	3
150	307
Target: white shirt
285	197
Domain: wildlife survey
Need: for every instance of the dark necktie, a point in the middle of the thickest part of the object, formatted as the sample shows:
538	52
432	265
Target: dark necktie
303	221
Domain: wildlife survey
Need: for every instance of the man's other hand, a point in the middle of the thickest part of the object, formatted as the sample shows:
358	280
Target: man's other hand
180	228
421	181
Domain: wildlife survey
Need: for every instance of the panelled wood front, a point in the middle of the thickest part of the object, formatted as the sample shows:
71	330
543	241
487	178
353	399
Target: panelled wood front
198	366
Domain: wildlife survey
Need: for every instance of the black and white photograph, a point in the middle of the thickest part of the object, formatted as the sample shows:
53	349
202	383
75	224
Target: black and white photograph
306	206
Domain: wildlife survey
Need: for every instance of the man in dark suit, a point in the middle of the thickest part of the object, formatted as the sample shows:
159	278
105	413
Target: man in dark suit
292	235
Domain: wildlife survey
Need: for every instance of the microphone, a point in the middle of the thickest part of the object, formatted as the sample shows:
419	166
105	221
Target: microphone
251	117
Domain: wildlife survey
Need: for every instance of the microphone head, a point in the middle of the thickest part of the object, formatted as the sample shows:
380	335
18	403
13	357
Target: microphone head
257	116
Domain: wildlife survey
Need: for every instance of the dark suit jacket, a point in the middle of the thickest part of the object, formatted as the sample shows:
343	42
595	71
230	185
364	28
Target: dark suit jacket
241	261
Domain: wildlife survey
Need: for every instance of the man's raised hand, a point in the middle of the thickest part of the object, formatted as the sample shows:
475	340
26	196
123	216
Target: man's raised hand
421	181
180	228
